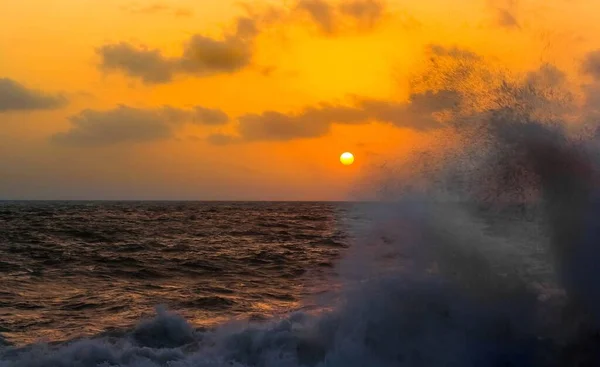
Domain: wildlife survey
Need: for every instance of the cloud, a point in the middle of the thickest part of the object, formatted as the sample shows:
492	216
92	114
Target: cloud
16	97
207	116
273	125
202	56
366	12
149	65
221	139
126	124
419	113
334	18
157	8
321	12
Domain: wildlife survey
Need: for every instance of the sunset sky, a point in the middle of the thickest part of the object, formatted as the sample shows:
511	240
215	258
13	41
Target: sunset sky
234	100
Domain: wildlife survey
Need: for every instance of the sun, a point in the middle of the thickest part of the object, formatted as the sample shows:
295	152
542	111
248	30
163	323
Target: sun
347	158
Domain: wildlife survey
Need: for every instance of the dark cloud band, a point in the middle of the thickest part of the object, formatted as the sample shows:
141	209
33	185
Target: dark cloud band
126	124
16	97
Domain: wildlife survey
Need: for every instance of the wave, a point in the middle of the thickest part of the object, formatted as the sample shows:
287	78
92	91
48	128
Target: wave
439	278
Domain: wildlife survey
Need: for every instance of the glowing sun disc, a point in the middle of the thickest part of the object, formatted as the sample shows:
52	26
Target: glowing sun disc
347	158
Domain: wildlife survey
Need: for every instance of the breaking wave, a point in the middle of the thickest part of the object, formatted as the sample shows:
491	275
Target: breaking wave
487	258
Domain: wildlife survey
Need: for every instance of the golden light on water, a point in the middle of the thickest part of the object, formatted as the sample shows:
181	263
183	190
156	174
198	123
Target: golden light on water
347	158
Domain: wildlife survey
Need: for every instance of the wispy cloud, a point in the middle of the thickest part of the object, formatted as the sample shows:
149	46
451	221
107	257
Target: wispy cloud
126	124
157	8
336	18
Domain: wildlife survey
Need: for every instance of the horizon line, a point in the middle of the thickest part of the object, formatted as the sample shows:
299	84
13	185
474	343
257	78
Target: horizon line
186	200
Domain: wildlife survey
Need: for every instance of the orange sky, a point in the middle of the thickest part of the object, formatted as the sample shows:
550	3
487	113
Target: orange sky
262	99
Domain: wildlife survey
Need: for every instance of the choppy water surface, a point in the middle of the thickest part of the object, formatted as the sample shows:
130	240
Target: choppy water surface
72	269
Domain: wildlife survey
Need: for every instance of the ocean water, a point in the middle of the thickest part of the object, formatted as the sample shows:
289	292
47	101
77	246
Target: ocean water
71	269
280	284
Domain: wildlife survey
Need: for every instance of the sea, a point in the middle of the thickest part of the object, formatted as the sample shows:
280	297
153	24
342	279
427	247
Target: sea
406	283
73	269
